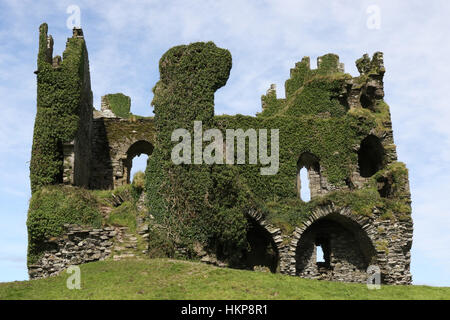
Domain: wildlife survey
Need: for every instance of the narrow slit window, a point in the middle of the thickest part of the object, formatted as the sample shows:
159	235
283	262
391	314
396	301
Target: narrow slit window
319	254
305	193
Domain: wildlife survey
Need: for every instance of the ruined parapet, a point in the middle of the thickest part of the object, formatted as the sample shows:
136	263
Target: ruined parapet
365	90
105	111
77	33
326	65
329	63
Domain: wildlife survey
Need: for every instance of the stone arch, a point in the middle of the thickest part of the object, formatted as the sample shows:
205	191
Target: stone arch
136	149
347	241
370	156
260	236
311	163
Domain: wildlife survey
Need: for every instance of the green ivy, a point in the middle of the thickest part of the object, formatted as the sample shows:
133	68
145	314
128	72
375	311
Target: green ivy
120	104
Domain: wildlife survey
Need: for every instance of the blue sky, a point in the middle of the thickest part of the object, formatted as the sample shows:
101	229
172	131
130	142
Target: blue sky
126	39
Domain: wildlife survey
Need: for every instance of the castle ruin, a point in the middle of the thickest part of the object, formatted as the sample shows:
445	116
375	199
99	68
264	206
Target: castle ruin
336	126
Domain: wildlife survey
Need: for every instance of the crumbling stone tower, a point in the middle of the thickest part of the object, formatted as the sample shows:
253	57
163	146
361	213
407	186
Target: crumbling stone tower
336	126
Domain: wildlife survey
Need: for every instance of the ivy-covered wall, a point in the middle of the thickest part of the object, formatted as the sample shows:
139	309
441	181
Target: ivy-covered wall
194	204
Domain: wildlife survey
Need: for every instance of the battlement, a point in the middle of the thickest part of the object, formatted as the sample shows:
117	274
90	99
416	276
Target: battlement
374	66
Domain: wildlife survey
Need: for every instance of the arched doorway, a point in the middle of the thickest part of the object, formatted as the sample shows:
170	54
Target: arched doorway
347	250
135	150
262	250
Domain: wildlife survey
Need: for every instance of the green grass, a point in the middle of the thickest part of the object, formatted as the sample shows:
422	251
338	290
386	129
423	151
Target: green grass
175	279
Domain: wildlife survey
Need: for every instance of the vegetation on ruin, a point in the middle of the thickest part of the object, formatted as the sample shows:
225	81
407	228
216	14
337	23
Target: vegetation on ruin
116	131
166	279
193	204
53	206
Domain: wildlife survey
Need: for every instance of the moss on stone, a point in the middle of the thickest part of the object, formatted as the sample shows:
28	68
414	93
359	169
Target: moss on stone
120	104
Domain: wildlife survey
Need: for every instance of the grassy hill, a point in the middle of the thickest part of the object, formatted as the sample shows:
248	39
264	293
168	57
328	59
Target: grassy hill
174	279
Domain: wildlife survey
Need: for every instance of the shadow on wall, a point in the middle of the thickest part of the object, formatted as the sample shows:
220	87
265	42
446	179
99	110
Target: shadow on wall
102	169
263	251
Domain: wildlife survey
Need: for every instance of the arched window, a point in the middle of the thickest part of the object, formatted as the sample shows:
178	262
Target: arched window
308	176
370	156
305	192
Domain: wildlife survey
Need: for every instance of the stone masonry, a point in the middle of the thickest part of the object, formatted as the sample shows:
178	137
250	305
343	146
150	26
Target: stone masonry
78	245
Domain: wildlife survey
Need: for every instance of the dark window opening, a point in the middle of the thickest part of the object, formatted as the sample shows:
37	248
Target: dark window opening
349	183
370	156
368	99
384	187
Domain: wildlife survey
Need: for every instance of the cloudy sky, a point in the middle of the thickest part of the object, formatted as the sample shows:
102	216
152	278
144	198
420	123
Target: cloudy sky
126	39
